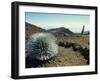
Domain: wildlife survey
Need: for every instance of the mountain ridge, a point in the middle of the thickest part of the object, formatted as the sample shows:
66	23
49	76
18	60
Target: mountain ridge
58	32
61	30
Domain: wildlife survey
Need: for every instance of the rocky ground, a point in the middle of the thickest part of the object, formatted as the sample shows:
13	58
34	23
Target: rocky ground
75	53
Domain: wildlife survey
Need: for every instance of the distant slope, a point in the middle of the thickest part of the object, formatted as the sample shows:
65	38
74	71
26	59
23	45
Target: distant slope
61	30
30	28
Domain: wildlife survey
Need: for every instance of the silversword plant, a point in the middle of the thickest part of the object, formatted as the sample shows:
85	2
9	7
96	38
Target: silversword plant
41	46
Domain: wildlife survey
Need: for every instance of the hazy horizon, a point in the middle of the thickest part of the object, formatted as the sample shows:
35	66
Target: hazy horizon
74	22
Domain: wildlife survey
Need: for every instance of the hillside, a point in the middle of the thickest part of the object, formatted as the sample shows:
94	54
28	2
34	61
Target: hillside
30	28
61	30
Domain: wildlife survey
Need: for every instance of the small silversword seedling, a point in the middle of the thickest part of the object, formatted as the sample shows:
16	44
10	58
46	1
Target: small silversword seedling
41	46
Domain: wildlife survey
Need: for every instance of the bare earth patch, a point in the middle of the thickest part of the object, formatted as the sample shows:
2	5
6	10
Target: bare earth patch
67	57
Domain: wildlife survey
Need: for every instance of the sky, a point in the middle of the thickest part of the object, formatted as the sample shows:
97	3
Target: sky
74	22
